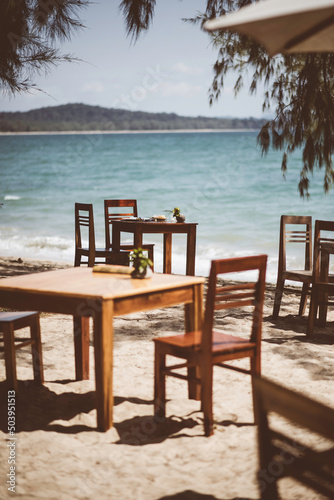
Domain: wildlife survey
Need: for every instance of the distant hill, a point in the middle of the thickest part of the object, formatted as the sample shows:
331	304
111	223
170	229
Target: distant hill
81	117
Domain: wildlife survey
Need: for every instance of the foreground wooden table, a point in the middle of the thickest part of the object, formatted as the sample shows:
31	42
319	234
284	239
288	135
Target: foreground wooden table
80	292
138	228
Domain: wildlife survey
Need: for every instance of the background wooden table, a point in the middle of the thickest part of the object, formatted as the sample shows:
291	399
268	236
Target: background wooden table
138	228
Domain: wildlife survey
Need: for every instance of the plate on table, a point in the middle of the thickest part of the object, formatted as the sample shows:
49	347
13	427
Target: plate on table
159	218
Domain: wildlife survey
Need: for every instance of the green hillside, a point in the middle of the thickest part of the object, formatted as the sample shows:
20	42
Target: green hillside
81	117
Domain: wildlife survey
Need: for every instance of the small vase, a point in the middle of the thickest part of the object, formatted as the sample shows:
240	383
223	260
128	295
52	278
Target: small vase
137	274
180	218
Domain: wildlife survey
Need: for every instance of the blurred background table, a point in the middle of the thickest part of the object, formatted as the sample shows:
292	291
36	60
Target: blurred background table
138	228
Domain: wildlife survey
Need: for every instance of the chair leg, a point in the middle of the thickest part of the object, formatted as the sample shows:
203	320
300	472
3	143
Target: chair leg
10	361
77	259
159	383
313	311
151	257
91	259
278	297
255	370
303	298
206	396
36	348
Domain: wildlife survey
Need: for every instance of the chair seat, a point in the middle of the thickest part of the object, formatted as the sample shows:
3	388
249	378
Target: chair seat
9	323
9	317
298	275
221	342
131	247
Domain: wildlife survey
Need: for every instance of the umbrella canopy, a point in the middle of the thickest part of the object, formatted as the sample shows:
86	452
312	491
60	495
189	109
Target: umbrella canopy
284	25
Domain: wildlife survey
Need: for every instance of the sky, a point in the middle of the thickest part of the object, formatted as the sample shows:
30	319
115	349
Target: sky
169	68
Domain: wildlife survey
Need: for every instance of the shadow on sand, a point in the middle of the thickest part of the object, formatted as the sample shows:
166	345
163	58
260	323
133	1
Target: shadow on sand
193	495
37	406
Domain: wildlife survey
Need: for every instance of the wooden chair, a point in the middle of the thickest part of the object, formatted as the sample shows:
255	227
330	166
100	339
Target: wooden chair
281	454
84	221
203	350
292	235
127	208
11	321
323	282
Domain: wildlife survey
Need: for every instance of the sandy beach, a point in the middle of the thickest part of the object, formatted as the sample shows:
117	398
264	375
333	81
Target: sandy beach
60	454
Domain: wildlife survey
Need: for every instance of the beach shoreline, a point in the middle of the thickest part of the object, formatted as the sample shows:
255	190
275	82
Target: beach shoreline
60	454
91	132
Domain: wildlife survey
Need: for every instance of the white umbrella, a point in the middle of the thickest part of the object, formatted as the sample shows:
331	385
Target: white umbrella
283	25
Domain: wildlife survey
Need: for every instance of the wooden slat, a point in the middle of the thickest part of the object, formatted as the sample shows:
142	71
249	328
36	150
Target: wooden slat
25	343
231	305
240	286
233	296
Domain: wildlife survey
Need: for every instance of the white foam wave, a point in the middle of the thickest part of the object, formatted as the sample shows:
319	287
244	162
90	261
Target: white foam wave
52	248
11	197
60	249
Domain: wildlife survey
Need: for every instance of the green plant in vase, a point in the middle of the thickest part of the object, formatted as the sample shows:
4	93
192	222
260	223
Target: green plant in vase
140	263
177	214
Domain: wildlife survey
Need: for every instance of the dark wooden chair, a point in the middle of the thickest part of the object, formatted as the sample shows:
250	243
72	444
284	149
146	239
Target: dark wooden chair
280	453
323	282
204	350
84	230
9	323
117	210
294	229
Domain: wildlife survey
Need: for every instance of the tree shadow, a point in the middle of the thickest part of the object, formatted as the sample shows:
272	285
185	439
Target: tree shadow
137	401
227	423
148	429
194	495
36	407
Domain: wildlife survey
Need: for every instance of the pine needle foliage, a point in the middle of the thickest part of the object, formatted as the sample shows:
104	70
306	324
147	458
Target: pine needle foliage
299	89
29	30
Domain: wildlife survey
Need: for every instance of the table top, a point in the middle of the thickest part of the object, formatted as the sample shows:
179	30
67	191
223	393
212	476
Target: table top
154	222
83	282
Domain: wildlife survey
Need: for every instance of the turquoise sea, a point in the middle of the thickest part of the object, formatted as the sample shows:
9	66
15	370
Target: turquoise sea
218	179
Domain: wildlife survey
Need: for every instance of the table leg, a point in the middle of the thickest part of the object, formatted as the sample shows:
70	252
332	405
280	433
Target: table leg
138	239
167	264
103	350
81	347
194	322
191	251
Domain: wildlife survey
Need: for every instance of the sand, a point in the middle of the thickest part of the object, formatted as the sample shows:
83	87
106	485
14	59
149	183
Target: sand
60	454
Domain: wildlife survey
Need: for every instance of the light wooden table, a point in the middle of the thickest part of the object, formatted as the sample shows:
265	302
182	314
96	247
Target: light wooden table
138	228
84	294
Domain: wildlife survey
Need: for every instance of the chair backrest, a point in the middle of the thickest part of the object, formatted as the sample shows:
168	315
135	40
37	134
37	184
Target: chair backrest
84	225
116	210
322	240
293	235
295	459
231	296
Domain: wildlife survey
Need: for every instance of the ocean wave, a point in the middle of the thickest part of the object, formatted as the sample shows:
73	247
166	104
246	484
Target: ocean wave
11	197
52	248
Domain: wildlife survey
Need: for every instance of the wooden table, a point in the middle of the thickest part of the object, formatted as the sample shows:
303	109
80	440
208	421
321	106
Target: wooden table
80	292
138	228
